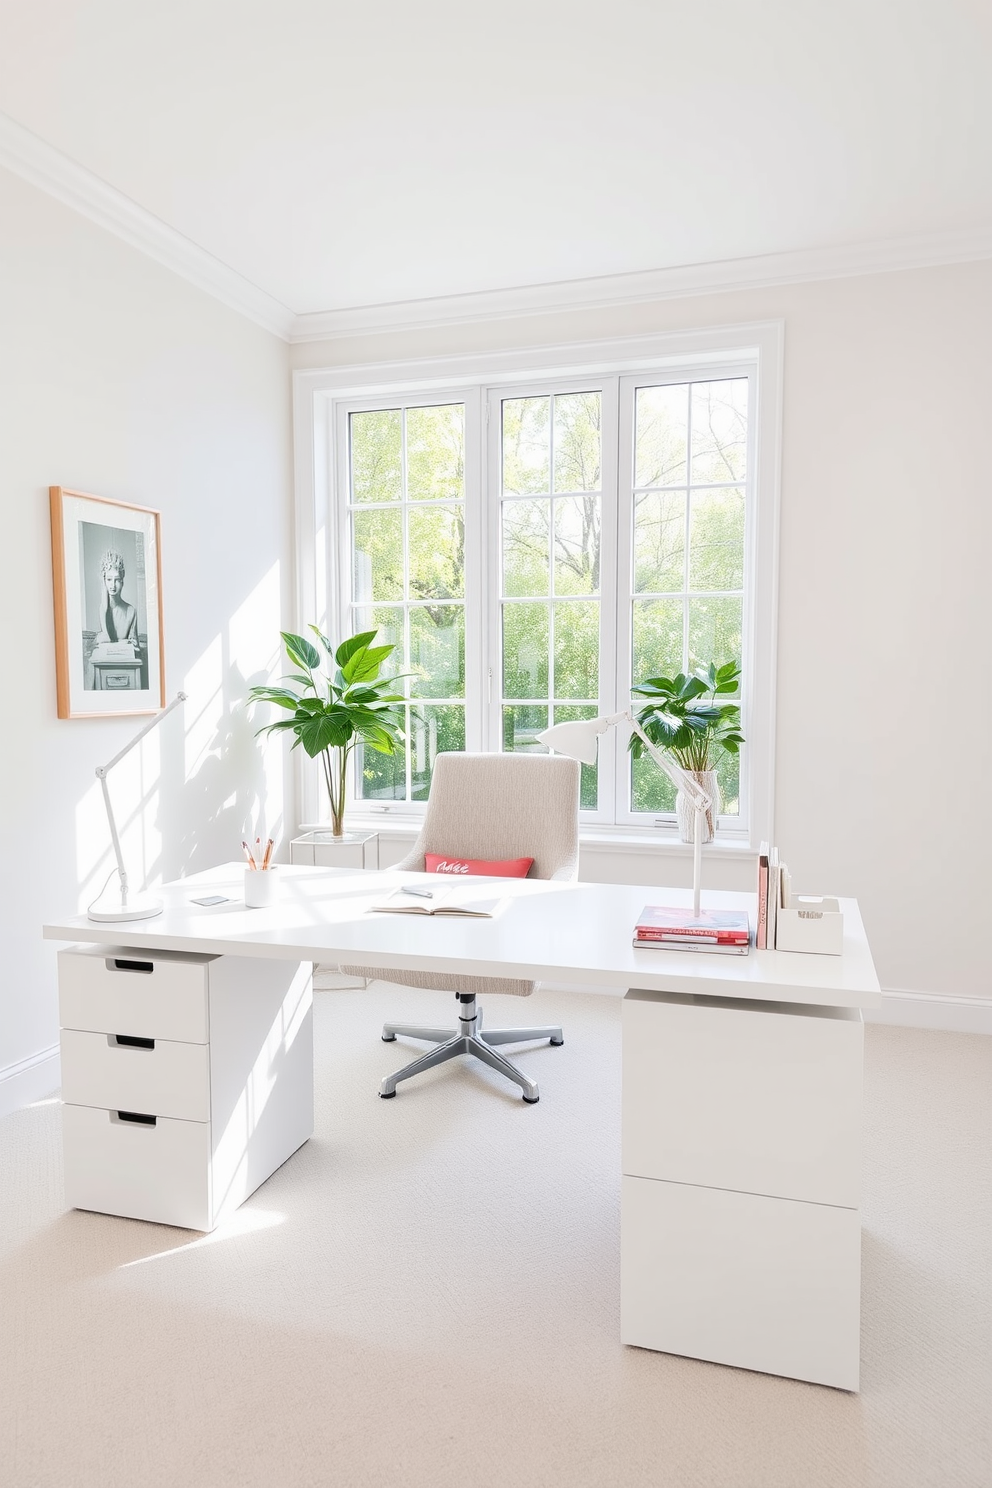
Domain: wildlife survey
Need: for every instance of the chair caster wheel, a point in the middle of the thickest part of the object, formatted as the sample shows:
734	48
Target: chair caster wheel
532	1100
556	1043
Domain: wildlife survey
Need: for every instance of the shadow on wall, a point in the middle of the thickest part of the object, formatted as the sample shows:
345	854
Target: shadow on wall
190	791
225	799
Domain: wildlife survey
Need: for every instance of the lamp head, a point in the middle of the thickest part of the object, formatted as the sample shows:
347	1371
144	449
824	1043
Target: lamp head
578	740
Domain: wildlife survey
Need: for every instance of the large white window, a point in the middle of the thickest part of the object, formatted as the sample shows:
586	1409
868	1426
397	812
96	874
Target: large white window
535	545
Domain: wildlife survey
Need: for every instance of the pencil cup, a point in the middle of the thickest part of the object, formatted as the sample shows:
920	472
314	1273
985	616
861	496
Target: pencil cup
260	884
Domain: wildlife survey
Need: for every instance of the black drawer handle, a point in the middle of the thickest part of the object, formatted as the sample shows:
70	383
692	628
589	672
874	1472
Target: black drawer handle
133	1118
120	963
129	1041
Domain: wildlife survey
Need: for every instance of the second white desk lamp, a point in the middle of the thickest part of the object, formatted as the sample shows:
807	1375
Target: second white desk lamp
580	740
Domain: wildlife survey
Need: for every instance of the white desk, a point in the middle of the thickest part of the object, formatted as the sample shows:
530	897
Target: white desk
742	1082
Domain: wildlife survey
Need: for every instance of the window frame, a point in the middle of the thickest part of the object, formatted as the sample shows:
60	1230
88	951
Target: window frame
324	397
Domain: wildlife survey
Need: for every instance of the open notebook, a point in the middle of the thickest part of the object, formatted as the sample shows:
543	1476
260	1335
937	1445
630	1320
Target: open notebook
447	898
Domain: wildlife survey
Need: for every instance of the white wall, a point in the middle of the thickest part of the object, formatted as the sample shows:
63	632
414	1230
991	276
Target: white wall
118	378
884	609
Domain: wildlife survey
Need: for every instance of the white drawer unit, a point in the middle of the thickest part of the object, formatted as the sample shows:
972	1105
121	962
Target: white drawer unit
741	1160
187	1080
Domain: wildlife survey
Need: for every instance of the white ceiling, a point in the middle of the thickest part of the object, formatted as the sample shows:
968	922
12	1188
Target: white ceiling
347	154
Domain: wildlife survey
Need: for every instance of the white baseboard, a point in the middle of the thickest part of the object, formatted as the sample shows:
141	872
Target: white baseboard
29	1080
931	1010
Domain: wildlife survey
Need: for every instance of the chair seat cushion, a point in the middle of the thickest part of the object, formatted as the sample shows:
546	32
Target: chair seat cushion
501	868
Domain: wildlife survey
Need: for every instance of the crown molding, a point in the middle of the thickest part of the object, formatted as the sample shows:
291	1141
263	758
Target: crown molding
34	160
767	270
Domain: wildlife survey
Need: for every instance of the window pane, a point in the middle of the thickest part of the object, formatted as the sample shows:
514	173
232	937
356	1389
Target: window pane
525	650
657	638
728	773
650	788
436	537
381	777
526	446
577	442
659	542
437	651
714	631
719	430
577	539
525	547
376	455
716	539
589	778
387	622
661	415
433	731
520	725
435	453
576	650
378	554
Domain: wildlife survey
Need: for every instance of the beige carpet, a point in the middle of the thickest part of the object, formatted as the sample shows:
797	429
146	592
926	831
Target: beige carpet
427	1294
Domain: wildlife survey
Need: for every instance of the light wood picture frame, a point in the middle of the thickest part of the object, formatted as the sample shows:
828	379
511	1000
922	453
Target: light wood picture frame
107	588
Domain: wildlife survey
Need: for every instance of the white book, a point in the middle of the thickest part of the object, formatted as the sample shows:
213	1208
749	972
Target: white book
774	893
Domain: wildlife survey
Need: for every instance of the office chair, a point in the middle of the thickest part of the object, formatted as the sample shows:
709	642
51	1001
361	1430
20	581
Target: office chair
490	806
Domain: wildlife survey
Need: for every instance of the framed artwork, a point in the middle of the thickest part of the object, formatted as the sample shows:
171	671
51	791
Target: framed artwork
107	584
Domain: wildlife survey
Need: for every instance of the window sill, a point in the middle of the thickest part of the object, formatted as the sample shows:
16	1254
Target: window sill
591	839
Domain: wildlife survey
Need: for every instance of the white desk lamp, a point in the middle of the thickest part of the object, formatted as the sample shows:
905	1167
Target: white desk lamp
138	906
580	740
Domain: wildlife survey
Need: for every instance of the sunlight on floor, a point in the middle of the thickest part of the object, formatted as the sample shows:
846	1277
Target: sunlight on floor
244	1222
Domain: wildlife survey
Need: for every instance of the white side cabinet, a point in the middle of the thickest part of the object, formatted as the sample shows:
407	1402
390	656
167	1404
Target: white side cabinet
740	1227
186	1080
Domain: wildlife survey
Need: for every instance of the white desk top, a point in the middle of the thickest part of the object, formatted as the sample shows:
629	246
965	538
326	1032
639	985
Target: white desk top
560	932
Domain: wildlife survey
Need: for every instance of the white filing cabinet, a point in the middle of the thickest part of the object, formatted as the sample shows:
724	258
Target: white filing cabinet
186	1079
740	1228
324	850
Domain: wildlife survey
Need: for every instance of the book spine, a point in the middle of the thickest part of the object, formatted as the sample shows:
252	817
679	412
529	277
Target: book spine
773	897
761	928
653	932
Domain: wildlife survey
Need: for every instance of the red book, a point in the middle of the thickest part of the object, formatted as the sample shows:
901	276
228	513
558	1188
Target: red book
658	922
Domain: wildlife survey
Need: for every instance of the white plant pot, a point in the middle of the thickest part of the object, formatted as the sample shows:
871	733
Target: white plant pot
685	814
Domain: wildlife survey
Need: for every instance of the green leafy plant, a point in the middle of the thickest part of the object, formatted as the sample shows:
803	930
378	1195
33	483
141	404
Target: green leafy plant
335	710
684	716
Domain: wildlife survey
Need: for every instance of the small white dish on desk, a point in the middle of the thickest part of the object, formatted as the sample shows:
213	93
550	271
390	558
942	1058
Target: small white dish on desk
810	924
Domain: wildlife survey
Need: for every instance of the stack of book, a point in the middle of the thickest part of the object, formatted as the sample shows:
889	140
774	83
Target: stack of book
725	931
774	893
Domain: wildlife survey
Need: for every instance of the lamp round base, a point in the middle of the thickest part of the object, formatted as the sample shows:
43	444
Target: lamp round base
138	907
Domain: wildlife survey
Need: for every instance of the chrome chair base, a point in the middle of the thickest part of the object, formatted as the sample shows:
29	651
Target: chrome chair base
468	1038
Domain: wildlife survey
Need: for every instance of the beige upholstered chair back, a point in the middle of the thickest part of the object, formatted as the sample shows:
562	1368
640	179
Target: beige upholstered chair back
495	806
503	806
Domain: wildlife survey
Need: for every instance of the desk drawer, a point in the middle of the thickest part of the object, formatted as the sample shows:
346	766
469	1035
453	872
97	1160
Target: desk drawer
759	1283
158	1172
762	1098
166	1079
154	995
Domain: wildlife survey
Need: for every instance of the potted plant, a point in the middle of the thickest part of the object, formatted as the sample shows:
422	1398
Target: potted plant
334	711
684	717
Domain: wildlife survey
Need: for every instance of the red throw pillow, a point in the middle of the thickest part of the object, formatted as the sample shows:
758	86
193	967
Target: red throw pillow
508	868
